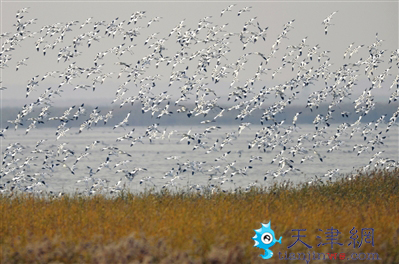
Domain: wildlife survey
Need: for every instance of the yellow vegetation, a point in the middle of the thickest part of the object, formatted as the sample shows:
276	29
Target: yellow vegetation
200	228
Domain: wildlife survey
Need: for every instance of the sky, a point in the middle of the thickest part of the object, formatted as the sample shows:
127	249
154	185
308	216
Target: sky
355	22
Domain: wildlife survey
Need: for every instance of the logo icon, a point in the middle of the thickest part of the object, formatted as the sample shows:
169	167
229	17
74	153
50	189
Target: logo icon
264	239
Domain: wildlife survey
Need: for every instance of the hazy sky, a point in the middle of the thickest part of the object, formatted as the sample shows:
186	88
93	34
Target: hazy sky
356	22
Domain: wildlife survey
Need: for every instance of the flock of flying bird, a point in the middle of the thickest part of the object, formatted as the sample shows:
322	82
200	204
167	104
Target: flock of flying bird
203	63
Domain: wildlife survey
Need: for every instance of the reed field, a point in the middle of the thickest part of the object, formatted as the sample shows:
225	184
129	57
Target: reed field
200	227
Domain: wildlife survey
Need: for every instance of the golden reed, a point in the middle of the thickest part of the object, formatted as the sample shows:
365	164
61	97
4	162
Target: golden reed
200	228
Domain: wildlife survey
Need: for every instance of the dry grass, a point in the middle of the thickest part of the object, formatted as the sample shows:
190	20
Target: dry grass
193	228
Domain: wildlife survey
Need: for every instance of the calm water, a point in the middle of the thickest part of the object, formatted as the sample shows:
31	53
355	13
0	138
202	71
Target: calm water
197	167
